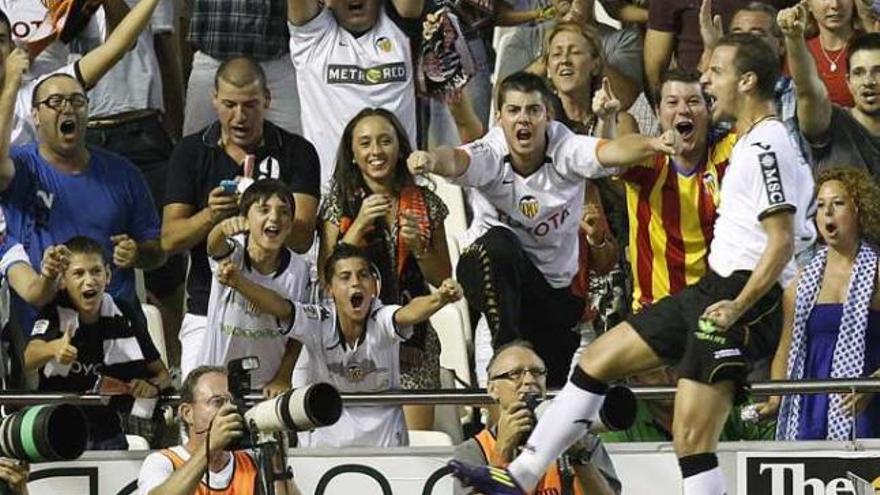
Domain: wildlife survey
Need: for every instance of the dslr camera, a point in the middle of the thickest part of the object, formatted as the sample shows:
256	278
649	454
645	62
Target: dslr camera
301	409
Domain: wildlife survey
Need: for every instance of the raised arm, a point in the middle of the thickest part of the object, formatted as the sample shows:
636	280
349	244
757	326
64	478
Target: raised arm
266	300
813	105
658	53
300	12
39	288
710	32
421	308
97	62
445	162
635	149
408	9
15	66
306	216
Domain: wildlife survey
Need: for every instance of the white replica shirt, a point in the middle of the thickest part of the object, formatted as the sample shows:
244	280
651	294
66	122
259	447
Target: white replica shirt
23	129
371	365
543	209
135	82
339	74
236	329
766	175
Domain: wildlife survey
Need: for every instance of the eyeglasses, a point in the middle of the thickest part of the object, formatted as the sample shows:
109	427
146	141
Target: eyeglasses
56	101
218	401
520	373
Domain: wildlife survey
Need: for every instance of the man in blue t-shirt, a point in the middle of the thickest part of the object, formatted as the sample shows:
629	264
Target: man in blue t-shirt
58	188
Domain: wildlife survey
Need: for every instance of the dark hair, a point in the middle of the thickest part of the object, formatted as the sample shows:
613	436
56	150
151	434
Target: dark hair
676	75
523	82
187	389
5	20
348	184
868	41
35	99
241	71
85	245
344	251
518	343
763	8
264	189
753	54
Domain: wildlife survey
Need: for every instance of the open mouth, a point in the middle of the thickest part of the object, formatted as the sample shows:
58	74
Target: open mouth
830	228
524	134
566	72
869	96
685	128
90	294
377	162
357	300
356	7
67	127
239	130
272	232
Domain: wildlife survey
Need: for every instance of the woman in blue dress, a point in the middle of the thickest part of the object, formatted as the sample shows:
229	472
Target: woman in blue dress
831	325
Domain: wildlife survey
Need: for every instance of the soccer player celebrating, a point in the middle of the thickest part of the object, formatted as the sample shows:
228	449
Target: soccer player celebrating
713	330
533	172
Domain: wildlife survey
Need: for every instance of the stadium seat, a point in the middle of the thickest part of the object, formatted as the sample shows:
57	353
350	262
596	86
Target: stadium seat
424	438
154	327
136	442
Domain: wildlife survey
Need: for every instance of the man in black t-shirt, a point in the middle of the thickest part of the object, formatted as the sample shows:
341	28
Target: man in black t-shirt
240	146
85	336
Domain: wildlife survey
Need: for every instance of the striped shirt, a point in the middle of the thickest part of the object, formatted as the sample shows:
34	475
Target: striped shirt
671	215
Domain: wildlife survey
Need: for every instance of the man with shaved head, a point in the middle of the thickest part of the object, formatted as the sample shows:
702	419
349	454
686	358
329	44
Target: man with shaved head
242	146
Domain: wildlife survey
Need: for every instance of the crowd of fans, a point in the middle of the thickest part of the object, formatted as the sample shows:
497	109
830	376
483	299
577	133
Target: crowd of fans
271	167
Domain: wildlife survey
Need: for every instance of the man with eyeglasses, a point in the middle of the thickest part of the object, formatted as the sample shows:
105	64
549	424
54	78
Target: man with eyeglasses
208	416
517	376
58	188
836	135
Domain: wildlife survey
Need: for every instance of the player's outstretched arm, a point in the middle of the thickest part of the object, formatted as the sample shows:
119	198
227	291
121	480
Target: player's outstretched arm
421	308
635	149
266	300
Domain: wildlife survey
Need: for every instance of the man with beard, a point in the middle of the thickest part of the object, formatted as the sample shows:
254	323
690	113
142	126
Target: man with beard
713	330
533	172
837	135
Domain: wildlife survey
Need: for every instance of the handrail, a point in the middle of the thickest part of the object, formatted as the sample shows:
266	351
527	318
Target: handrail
478	397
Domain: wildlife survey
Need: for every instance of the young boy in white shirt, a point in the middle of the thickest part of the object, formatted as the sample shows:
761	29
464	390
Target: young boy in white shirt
249	251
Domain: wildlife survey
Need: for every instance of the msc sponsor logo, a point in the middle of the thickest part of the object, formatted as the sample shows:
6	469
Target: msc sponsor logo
810	475
380	74
772	179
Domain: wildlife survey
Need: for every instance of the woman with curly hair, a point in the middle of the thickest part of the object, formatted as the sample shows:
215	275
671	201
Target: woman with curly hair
831	326
375	203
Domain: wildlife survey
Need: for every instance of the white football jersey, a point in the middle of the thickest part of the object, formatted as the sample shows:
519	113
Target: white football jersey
766	174
371	365
544	208
339	74
236	328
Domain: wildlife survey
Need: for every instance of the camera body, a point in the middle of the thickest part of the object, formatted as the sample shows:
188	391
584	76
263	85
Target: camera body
301	409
